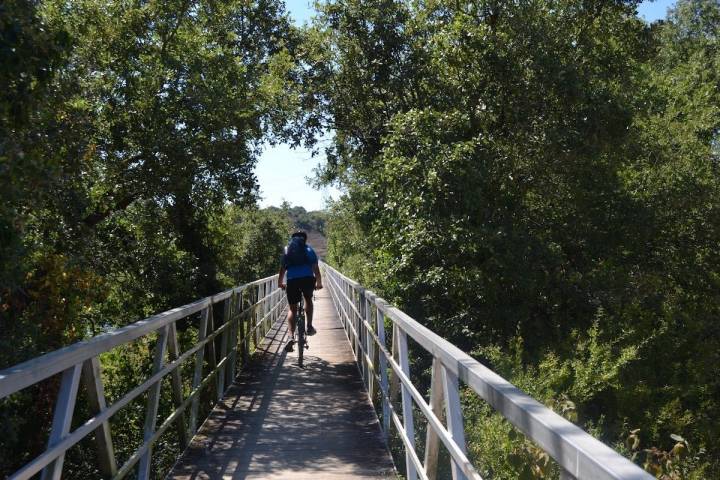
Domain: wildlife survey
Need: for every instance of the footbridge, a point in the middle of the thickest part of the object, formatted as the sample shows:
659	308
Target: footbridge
240	408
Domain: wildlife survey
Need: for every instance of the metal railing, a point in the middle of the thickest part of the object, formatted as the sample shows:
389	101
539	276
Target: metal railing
364	316
249	311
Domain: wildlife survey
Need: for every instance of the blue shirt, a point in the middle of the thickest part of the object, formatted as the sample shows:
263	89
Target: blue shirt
304	270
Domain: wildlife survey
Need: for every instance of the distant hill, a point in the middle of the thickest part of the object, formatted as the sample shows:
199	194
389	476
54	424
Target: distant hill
318	242
313	222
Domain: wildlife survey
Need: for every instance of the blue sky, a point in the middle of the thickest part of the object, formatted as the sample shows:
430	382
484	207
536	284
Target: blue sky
283	173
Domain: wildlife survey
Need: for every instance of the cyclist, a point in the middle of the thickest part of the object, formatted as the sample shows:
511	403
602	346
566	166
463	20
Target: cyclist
300	262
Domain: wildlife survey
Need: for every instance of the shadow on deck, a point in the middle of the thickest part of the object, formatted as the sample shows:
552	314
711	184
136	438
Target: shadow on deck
278	421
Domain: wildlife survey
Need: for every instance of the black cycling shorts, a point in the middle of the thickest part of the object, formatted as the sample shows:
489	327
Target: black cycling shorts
298	286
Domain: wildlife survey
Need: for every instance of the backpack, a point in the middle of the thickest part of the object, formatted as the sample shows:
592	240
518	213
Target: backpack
296	253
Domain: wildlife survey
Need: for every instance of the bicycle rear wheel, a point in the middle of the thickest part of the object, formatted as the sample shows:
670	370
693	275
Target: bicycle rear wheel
301	334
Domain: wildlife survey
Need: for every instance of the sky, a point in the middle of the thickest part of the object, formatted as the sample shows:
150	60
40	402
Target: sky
284	173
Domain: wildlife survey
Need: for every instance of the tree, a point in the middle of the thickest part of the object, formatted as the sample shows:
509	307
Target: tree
513	176
127	129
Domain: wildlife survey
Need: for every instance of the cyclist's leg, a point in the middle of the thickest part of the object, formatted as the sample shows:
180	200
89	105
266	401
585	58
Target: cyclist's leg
293	293
292	313
308	289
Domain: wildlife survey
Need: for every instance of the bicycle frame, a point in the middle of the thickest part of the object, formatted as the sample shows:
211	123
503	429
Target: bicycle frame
300	328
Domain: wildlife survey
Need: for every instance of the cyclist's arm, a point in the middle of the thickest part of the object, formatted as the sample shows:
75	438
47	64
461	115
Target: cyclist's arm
281	277
318	278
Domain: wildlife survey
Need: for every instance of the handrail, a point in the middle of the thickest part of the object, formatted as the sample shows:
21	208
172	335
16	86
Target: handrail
265	302
579	455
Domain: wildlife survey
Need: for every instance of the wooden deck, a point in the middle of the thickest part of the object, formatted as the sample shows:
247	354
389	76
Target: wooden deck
282	422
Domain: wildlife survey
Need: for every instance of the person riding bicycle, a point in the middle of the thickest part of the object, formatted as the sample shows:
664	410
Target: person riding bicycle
300	262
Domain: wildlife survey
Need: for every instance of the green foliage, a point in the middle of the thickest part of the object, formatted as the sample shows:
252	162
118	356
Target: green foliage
301	218
539	182
544	171
257	238
128	136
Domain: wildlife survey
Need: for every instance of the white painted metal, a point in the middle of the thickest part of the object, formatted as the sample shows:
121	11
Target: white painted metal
578	453
224	348
28	373
153	402
244	322
453	413
232	342
407	406
176	384
83	357
432	441
370	347
64	408
384	387
96	400
197	374
401	378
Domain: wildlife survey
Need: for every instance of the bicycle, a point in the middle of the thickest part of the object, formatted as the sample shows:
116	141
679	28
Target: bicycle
300	331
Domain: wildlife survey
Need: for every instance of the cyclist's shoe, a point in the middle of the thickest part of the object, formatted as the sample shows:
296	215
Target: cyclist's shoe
289	346
311	330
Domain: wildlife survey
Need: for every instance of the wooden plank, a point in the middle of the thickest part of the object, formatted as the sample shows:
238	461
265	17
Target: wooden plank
579	453
457	453
273	423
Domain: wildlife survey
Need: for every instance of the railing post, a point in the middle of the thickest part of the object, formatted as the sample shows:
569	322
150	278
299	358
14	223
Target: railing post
408	420
360	329
212	353
348	318
444	390
370	347
268	304
453	412
176	382
265	309
197	374
253	316
432	441
261	310
62	418
380	319
152	404
345	292
394	379
96	401
244	337
346	304
271	303
224	338
232	338
353	309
